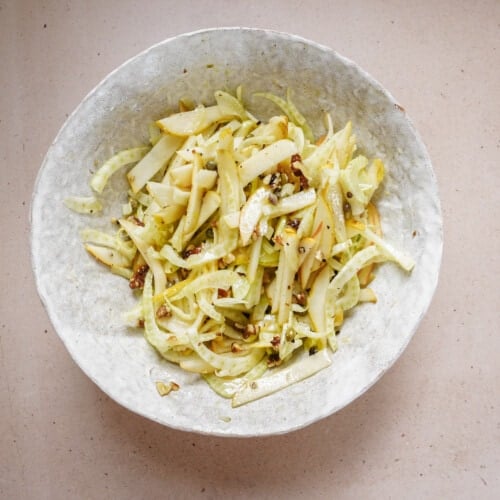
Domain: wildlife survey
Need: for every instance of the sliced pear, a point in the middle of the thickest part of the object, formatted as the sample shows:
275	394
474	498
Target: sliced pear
317	299
153	162
193	122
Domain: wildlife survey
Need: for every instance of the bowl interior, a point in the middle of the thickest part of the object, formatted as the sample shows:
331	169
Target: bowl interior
85	302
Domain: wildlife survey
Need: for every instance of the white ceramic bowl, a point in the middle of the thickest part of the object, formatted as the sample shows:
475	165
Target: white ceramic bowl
85	302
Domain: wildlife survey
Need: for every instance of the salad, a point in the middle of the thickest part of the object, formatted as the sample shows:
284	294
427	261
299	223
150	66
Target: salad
247	242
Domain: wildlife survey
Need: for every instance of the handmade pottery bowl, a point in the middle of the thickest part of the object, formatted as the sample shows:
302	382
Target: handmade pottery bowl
85	302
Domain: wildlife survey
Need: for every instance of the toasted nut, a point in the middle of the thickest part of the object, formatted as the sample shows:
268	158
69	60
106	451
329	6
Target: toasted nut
163	312
300	298
137	279
235	347
275	342
166	388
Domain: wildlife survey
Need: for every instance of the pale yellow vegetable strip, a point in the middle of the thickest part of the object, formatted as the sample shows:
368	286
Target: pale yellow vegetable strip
291	260
207	308
119	160
153	162
307	264
349	179
108	256
154	133
83	204
335	199
124	272
317	299
253	262
254	295
177	160
194	364
251	213
291	111
291	203
177	239
207	255
246	127
306	245
367	295
350	269
179	176
319	159
406	262
227	387
180	320
266	159
253	390
226	365
217	279
96	237
345	145
210	203
296	134
359	260
162	341
341	247
306	224
228	176
167	195
206	179
189	123
154	264
351	293
194	204
152	208
304	331
230	105
168	253
169	215
324	217
275	286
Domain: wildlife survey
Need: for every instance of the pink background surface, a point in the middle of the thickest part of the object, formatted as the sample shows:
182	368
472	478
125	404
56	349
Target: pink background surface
430	428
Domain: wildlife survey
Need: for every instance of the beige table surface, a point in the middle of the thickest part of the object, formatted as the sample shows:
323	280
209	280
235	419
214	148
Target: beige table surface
429	429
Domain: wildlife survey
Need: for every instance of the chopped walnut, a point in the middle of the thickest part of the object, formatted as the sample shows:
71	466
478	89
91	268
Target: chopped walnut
191	250
240	327
250	330
166	388
275	342
273	360
163	312
137	279
235	347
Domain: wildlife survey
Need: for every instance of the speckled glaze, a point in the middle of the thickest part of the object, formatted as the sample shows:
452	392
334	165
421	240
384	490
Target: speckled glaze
85	302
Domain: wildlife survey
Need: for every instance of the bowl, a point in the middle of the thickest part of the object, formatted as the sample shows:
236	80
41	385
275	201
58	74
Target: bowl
85	302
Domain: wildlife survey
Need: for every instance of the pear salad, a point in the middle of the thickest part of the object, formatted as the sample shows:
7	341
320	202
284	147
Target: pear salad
246	241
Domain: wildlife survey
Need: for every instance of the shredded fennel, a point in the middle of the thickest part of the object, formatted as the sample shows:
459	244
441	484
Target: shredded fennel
247	241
